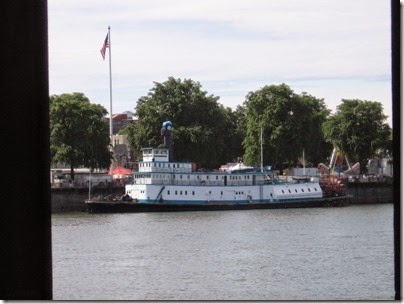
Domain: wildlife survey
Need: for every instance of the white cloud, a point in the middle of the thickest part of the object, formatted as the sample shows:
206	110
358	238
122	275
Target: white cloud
337	49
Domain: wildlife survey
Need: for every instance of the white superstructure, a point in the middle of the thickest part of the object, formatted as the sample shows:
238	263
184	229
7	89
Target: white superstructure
161	181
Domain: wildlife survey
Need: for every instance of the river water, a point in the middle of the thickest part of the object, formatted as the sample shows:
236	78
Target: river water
281	254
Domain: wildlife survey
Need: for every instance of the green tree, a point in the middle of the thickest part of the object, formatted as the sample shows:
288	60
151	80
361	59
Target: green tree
201	126
290	123
79	133
234	134
359	129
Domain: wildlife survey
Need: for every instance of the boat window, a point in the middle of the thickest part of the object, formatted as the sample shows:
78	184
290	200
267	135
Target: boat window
296	190
181	192
193	192
186	192
176	192
302	190
168	192
309	190
289	191
283	191
315	189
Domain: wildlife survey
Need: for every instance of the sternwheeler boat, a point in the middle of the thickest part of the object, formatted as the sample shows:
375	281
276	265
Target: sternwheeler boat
162	185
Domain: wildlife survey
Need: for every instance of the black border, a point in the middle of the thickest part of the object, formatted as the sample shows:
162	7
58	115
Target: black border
26	251
396	96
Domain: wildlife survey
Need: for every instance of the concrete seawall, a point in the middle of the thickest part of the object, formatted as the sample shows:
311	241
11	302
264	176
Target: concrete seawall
72	199
370	193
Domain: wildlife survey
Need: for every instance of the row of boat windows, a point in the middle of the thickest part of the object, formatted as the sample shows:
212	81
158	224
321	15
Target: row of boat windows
167	176
283	191
180	192
163	165
156	152
185	192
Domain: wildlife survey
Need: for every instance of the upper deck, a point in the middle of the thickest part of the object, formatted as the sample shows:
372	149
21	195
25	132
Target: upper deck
155	155
156	169
157	160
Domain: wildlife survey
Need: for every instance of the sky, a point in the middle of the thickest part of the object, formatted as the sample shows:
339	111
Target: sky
332	50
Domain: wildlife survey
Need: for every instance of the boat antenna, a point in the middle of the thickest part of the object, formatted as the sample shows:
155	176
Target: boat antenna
89	186
262	153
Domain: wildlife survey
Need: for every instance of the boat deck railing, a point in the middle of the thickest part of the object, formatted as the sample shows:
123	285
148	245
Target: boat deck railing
201	182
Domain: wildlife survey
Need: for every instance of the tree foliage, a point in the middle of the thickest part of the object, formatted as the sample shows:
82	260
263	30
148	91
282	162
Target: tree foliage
359	129
79	133
203	130
290	123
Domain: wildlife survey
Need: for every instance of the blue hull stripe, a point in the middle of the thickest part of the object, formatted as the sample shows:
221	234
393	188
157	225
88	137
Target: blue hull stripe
240	202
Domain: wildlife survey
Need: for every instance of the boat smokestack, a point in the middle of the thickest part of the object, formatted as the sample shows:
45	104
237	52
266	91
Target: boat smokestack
166	133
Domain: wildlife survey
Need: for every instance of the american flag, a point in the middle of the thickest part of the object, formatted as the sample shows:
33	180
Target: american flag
104	47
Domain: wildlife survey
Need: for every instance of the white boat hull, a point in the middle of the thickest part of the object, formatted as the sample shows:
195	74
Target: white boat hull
229	194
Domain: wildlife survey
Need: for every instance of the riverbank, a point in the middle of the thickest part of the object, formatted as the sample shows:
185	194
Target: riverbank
72	199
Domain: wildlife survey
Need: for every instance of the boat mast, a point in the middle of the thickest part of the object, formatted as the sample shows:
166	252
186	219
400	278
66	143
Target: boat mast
89	186
262	154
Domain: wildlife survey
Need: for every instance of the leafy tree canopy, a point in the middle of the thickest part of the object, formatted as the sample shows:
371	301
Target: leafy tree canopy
203	130
79	133
290	123
359	129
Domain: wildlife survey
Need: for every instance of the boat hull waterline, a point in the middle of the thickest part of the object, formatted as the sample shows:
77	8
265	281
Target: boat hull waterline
133	207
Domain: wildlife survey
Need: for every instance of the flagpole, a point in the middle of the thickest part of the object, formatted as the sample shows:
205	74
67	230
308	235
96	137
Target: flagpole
110	87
